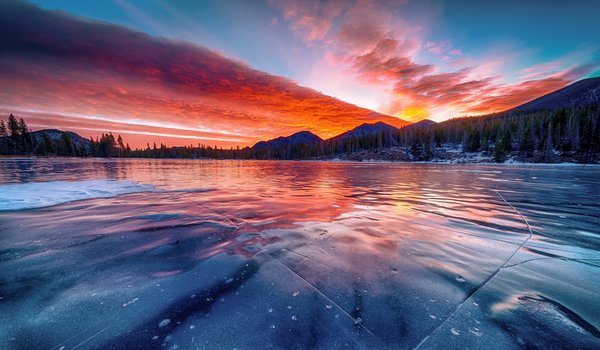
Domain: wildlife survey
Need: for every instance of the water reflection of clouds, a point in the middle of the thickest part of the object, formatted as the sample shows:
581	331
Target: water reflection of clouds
366	239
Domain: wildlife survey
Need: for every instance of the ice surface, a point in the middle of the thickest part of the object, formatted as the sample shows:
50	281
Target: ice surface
279	256
42	194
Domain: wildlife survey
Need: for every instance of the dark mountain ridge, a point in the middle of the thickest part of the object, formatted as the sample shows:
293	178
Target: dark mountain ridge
308	138
425	123
581	93
55	135
366	129
299	138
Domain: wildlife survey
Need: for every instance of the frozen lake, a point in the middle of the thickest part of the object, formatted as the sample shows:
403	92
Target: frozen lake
181	254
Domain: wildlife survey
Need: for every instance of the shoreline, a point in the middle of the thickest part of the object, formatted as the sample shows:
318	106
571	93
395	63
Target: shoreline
366	161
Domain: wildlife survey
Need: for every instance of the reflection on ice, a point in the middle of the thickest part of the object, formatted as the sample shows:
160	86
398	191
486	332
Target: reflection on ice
302	255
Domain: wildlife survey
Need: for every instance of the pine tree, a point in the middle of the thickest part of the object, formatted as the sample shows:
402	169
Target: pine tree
47	145
13	126
527	145
427	151
548	149
66	145
23	128
507	141
121	146
416	150
3	138
500	152
473	141
26	142
3	132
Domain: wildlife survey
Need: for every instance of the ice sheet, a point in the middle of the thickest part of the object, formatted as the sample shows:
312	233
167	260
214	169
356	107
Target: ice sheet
42	194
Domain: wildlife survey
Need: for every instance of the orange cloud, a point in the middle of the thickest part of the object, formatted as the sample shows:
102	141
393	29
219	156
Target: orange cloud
68	73
381	50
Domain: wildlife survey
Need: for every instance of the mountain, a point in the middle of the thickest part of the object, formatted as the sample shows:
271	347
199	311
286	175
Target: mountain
581	93
56	135
425	123
302	137
366	129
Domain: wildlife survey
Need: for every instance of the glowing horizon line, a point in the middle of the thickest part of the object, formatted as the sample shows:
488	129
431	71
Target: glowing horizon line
107	119
152	134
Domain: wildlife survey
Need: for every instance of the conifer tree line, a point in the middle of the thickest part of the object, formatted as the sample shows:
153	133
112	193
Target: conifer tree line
568	134
16	138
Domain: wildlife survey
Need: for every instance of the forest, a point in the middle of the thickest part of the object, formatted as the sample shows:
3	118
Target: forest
568	134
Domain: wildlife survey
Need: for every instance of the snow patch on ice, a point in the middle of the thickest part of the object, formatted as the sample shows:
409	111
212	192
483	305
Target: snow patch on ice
43	194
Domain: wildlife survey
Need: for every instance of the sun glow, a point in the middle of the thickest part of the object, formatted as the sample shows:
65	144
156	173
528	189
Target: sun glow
413	113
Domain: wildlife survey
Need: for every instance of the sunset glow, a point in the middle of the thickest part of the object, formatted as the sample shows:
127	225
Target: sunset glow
166	72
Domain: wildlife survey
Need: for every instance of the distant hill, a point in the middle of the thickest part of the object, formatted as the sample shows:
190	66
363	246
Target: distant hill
582	93
302	137
366	129
425	123
55	135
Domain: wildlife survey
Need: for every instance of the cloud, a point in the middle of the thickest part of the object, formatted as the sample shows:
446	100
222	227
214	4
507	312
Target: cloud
382	65
65	66
310	20
375	44
438	47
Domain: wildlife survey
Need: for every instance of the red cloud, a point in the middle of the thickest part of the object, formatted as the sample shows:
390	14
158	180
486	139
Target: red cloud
68	67
380	50
470	96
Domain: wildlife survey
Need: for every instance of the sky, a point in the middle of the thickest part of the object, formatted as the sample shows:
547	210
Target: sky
234	72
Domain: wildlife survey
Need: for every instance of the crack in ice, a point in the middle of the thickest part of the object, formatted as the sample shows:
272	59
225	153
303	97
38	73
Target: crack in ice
356	321
487	280
90	338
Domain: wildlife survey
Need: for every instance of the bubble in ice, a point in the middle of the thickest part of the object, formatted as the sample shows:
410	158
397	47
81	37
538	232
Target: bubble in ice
270	310
164	322
294	318
459	279
296	293
454	331
475	331
328	306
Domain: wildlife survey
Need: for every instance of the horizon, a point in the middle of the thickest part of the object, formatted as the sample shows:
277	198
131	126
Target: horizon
150	142
183	74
